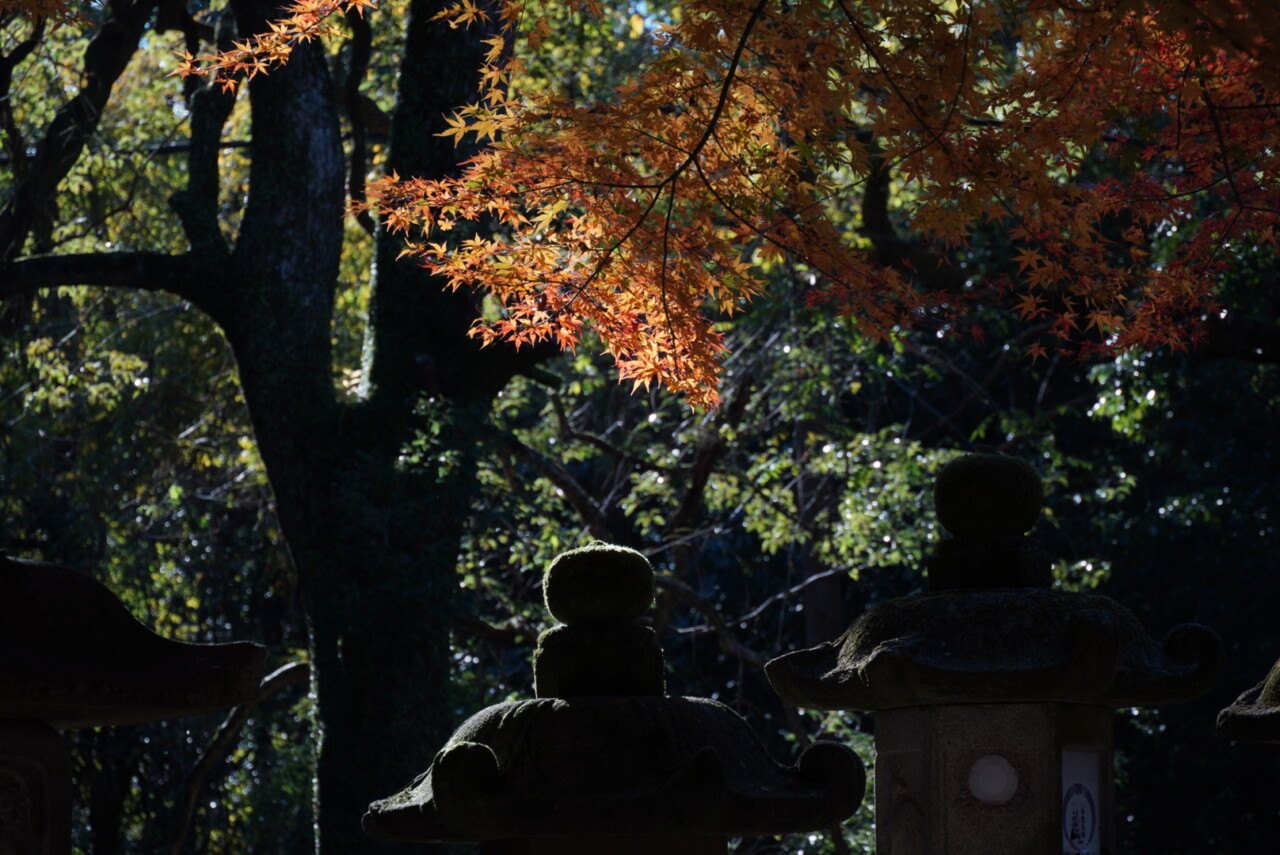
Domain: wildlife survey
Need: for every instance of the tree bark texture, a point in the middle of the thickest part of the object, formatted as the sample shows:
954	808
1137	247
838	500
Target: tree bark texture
374	542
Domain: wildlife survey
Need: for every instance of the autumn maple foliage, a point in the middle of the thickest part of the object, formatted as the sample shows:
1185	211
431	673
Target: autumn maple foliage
1122	147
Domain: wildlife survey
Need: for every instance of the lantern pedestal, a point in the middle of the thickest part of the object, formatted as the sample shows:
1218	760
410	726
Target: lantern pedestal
952	778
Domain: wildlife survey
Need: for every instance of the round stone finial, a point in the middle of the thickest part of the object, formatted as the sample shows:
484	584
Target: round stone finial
598	584
988	494
598	592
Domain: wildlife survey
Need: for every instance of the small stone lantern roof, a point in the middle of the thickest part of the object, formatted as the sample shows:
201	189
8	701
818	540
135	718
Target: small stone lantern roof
601	751
72	655
1255	715
990	629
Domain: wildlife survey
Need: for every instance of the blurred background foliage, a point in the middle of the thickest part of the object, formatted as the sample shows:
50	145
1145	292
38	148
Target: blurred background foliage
126	450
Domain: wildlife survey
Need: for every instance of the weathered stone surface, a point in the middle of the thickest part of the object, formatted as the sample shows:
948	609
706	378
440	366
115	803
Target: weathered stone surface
72	655
988	502
581	661
988	494
953	779
601	753
638	765
1255	715
35	790
999	645
599	583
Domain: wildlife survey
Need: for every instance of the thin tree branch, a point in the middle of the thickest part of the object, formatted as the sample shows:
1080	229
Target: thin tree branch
197	204
1246	340
13	141
729	642
783	596
223	738
105	60
588	511
361	46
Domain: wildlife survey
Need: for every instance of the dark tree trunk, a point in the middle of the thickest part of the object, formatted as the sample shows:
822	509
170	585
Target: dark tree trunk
374	541
374	538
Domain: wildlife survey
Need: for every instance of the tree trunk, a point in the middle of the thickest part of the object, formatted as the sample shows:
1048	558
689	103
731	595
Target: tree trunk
374	539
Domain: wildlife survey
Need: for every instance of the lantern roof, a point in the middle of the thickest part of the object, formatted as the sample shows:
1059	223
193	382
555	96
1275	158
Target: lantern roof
602	750
71	654
991	629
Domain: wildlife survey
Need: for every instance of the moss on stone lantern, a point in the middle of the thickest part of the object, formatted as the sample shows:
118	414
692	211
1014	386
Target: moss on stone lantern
601	760
1255	715
994	692
72	656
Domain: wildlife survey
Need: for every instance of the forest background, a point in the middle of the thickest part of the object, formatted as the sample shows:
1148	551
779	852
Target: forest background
240	366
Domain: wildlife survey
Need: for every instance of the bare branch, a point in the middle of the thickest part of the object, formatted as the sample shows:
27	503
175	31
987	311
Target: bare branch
590	513
729	642
783	596
223	738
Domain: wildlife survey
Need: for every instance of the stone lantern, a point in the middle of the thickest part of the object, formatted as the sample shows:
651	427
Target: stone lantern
71	656
993	692
601	761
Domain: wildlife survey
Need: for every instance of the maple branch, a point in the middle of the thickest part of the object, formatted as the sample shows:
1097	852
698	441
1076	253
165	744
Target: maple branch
1220	136
893	84
725	88
690	157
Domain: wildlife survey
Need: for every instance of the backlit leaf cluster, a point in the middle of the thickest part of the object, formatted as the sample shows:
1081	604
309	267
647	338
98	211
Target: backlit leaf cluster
1122	147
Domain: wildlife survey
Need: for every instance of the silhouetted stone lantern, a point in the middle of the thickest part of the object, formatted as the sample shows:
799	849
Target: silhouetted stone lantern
994	693
602	762
72	656
1255	715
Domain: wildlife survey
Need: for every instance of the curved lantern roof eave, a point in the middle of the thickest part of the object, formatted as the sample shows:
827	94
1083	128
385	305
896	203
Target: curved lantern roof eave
1255	715
72	655
999	645
613	766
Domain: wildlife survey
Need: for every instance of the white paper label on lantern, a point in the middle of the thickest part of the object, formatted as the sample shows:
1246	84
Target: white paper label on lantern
1081	823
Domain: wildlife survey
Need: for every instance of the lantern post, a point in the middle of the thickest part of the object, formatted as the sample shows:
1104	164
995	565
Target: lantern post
994	692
